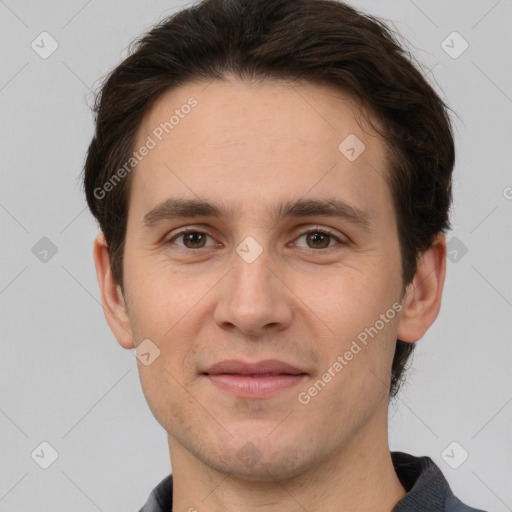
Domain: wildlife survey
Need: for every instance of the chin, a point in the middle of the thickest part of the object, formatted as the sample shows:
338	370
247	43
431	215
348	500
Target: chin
262	471
261	461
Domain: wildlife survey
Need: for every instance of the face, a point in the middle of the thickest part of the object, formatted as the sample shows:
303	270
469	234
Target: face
262	260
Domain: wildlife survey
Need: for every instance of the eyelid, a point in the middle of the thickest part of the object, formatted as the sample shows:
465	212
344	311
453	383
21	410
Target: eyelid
321	229
185	231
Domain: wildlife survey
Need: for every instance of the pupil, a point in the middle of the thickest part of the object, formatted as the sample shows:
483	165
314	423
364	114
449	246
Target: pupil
195	239
318	238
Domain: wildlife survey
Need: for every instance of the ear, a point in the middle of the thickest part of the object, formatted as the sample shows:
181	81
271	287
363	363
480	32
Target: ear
112	298
422	299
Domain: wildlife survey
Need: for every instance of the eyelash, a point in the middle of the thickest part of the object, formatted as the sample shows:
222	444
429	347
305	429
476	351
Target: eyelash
318	229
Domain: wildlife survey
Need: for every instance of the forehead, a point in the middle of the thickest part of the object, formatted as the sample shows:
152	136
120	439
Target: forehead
257	143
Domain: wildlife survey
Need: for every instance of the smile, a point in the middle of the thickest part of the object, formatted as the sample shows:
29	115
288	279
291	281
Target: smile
254	380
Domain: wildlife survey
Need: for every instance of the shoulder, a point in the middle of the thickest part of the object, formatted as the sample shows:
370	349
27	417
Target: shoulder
160	499
426	486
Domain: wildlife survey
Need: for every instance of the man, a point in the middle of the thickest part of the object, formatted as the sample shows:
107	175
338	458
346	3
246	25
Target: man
272	180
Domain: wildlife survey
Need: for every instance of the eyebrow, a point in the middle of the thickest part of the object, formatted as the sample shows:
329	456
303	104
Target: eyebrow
174	208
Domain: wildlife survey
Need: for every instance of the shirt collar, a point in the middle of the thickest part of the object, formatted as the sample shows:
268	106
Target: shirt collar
421	478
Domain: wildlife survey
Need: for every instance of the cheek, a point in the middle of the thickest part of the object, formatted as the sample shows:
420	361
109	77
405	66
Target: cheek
164	393
361	311
360	385
160	296
346	300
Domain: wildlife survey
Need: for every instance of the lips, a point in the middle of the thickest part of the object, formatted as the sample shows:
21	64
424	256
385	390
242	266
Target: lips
267	368
254	380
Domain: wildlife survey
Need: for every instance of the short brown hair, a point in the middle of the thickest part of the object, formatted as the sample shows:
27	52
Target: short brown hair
318	41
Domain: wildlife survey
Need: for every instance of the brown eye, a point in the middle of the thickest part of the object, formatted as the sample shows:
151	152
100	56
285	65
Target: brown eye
191	240
318	240
194	240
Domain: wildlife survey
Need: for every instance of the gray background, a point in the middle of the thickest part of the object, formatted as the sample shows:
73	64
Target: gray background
66	381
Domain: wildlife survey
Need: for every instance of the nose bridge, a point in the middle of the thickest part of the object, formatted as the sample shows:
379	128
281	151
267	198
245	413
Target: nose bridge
250	272
253	300
251	285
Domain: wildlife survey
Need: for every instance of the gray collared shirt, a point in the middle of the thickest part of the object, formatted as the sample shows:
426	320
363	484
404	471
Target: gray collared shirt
427	489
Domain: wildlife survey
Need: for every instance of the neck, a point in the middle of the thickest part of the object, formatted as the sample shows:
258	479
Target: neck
359	476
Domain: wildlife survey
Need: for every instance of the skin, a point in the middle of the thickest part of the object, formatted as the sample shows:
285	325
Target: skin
250	147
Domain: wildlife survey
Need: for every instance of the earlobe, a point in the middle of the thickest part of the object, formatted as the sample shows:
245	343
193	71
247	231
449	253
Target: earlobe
422	299
112	299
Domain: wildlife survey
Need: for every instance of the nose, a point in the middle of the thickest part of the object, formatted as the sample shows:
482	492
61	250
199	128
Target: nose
254	300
